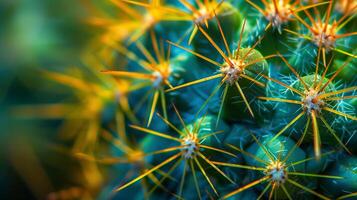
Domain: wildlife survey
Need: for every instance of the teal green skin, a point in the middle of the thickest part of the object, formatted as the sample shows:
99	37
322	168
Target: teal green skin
287	112
345	74
234	108
274	41
239	136
179	65
346	168
304	59
230	23
281	146
317	166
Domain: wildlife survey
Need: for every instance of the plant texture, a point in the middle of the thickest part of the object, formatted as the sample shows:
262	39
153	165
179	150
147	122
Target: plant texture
206	99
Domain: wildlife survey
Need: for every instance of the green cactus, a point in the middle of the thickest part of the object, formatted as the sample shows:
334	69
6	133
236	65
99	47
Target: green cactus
206	99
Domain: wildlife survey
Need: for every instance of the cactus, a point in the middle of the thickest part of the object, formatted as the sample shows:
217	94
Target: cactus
266	93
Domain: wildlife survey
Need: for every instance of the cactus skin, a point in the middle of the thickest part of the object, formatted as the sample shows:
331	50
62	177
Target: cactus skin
347	169
231	112
181	120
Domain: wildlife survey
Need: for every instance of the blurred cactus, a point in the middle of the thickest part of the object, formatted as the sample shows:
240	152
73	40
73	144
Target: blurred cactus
266	92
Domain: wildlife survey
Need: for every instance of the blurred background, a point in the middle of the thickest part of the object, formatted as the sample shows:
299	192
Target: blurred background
37	35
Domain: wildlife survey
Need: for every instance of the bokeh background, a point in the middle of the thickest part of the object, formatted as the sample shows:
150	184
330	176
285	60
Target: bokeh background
37	35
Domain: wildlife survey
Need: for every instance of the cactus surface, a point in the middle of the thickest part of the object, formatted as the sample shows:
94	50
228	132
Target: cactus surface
208	99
